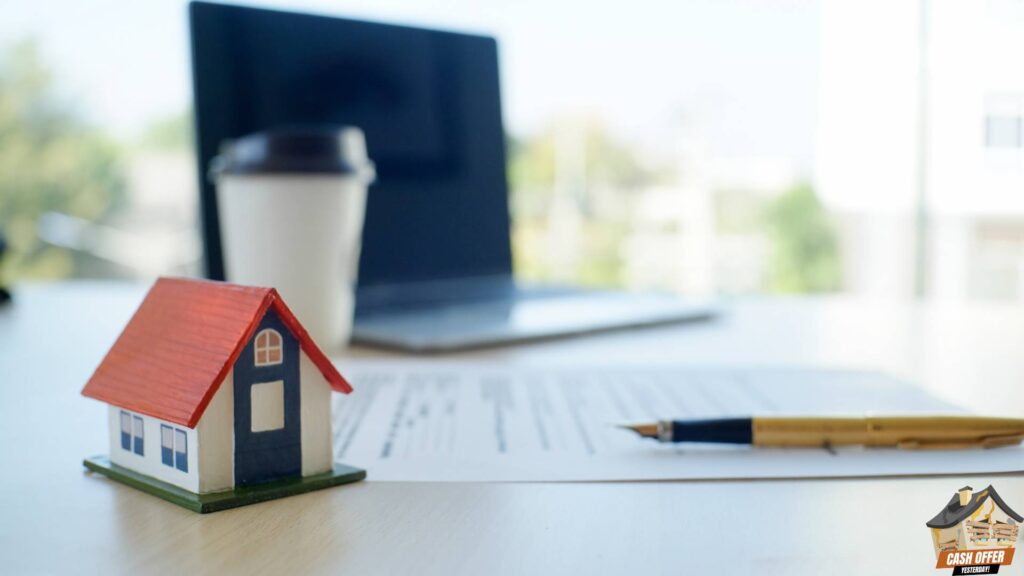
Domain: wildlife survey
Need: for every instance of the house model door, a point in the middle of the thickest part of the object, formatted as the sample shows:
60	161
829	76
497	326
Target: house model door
267	427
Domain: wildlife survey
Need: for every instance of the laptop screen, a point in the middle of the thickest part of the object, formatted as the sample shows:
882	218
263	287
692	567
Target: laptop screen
428	102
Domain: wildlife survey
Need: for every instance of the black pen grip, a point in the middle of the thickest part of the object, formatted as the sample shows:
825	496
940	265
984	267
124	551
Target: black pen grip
719	431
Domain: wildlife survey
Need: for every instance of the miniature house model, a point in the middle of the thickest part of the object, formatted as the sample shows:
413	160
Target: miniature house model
975	521
213	387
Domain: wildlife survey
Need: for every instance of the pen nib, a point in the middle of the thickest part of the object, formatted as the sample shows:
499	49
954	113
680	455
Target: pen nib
645	430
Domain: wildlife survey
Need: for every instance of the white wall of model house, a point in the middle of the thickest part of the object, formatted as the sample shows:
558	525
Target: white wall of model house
315	413
210	446
149	462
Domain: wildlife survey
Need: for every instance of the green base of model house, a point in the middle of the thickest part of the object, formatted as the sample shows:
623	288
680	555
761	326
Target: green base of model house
215	501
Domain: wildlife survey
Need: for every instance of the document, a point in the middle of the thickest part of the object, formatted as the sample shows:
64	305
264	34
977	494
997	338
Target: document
474	422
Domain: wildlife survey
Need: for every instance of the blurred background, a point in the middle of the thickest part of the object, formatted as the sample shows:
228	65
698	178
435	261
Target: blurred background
702	146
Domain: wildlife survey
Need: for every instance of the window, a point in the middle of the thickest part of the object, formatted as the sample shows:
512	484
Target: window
132	433
268	347
167	445
1004	121
137	434
180	450
174	447
126	431
267	400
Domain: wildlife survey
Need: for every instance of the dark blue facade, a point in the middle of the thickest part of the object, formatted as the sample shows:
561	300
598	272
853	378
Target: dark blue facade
271	454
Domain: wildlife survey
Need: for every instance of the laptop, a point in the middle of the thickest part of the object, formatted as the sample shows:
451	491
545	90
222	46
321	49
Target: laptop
436	267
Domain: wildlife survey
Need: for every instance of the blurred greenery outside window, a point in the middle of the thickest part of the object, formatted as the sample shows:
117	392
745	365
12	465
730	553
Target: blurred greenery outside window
585	207
77	202
49	160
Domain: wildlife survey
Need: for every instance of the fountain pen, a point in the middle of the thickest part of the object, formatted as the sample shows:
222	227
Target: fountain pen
910	432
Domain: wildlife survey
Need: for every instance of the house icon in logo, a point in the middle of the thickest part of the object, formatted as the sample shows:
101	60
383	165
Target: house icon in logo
973	523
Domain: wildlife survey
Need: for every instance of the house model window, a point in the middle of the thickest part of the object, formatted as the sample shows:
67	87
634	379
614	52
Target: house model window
126	431
167	445
268	347
267	406
180	450
174	447
132	433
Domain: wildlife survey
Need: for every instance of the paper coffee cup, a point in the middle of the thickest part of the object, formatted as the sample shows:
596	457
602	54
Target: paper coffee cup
291	204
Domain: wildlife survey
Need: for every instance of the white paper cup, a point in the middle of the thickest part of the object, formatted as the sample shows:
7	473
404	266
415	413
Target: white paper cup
291	206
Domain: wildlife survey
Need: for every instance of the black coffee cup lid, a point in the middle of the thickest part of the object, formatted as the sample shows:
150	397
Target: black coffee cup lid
328	150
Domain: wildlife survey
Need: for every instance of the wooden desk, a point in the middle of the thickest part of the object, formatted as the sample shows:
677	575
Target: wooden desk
56	518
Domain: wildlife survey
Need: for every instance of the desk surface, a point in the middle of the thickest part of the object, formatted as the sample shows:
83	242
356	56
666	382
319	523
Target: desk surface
56	518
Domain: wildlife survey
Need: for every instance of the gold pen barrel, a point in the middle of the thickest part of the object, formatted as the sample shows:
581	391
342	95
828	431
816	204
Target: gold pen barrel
901	431
808	432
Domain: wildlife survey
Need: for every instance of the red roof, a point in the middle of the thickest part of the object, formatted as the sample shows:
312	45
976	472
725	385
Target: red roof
183	340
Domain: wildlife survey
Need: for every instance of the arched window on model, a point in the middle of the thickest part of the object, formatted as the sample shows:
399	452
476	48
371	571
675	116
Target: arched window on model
268	347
